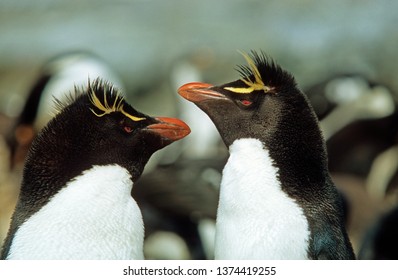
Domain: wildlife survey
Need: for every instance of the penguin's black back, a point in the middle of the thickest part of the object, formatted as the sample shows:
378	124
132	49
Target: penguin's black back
299	150
305	177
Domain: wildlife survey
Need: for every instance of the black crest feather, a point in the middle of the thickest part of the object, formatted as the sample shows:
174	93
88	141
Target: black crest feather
263	68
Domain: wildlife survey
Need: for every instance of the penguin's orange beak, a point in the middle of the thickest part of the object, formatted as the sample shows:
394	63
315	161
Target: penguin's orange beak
169	128
198	92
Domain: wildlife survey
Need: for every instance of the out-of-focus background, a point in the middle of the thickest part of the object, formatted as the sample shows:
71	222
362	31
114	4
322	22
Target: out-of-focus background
344	55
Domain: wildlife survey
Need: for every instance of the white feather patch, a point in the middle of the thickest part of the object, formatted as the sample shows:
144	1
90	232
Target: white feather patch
93	217
255	218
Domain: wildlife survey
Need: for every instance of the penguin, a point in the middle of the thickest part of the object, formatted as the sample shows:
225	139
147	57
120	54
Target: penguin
75	200
164	174
277	199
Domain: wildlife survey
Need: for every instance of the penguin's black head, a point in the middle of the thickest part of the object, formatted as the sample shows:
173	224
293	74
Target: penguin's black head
253	106
266	104
98	127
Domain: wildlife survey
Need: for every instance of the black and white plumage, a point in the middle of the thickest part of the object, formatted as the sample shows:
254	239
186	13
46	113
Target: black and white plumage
75	200
59	75
277	200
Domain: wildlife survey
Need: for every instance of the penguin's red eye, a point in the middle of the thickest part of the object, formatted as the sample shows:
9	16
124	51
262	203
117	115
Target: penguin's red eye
128	129
246	102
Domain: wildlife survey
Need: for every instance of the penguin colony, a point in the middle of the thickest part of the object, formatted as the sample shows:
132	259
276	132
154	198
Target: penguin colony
277	200
75	200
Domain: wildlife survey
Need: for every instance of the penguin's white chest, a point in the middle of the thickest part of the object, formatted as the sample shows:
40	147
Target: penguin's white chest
94	217
255	218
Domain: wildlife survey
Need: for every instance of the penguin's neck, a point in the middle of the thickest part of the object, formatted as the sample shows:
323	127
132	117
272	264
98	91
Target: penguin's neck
93	217
255	218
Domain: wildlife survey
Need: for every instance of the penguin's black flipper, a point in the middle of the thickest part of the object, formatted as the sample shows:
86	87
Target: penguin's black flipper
331	240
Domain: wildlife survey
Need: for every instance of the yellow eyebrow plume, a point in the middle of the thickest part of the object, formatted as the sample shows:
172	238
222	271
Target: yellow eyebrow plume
117	106
257	84
240	90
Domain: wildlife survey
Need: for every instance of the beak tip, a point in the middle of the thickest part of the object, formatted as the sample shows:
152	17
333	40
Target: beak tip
192	87
170	128
197	92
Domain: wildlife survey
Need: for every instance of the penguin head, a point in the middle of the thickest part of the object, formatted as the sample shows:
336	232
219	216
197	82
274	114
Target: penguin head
267	105
253	105
98	127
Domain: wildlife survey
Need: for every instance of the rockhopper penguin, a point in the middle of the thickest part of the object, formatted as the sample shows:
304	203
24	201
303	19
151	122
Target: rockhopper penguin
277	200
75	200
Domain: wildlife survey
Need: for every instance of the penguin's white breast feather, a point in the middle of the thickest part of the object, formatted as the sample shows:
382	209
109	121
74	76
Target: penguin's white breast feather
93	217
256	219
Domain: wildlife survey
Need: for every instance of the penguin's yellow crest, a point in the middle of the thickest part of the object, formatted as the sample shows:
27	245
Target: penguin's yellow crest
107	108
257	84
